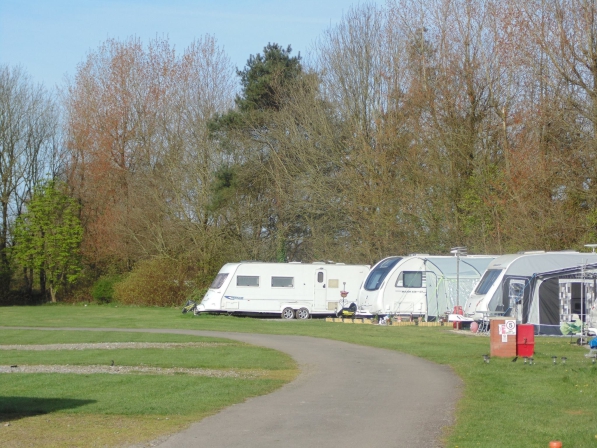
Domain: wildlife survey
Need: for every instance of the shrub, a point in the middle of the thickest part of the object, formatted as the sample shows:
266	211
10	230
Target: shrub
155	282
196	295
103	289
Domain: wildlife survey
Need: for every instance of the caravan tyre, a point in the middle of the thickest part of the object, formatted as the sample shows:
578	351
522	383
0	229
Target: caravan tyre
302	313
288	313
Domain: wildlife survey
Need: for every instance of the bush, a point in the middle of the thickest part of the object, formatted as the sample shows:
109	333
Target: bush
155	282
196	295
103	289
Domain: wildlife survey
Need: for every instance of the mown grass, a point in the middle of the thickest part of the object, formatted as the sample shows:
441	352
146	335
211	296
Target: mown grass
91	430
134	394
228	355
11	337
123	409
504	403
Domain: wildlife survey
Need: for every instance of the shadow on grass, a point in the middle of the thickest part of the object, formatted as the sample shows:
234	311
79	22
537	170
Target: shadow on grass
14	408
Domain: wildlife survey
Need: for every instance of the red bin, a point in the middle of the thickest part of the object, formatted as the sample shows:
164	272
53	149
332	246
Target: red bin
525	340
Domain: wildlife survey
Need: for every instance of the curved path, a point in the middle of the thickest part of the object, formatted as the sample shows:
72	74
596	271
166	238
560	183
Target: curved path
345	396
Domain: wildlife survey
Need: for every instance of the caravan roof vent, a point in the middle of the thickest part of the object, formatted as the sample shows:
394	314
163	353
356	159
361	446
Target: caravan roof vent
418	255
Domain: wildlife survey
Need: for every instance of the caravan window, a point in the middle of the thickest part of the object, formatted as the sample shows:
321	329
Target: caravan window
378	274
413	279
218	281
487	281
282	282
247	280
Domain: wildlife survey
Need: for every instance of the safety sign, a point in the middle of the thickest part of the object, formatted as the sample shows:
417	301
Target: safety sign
508	328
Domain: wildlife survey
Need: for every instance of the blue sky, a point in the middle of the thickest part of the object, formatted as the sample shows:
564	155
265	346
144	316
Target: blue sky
48	38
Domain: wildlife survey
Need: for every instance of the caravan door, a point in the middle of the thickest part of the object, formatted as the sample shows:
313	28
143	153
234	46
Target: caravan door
410	293
320	293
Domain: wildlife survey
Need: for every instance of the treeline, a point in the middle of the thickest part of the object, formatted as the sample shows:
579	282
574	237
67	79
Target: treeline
413	127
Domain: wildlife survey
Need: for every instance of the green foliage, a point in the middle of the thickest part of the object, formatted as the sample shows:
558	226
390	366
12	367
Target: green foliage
232	120
156	282
266	81
196	295
5	280
223	187
263	77
254	186
591	226
48	236
103	289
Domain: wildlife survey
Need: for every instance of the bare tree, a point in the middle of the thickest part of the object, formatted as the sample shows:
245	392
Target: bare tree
142	162
557	55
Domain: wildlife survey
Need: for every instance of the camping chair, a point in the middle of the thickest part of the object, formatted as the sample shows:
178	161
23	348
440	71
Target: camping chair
189	306
484	324
485	320
348	312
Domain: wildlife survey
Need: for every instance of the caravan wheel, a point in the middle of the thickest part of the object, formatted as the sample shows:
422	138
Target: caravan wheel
302	313
288	313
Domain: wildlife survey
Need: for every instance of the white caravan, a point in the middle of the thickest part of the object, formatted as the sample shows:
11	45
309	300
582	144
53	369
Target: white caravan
420	285
287	289
505	284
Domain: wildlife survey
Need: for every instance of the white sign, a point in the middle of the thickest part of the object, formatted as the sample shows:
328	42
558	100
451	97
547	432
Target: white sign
510	327
507	329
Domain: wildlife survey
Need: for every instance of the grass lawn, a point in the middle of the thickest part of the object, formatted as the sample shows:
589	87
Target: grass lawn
95	409
226	354
505	404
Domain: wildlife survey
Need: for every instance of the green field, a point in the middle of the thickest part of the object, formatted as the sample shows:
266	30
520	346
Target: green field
99	409
505	404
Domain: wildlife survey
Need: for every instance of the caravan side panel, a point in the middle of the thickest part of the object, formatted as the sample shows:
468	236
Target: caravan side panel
269	287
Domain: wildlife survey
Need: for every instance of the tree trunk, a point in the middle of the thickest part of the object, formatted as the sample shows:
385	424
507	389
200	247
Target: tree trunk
28	278
5	274
52	293
42	282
